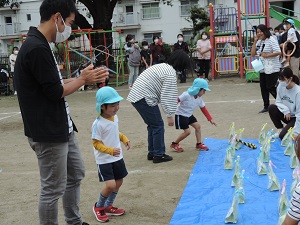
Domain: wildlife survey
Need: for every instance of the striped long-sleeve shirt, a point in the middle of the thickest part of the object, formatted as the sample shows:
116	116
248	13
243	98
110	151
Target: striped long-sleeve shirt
269	45
157	84
294	210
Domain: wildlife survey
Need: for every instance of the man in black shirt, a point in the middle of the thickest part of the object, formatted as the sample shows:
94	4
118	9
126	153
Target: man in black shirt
46	114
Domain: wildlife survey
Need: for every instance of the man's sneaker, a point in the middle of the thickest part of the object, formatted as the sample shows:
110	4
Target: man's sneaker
100	214
150	156
176	147
160	159
201	146
113	211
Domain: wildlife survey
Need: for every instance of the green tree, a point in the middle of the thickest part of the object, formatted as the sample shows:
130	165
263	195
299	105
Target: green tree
199	18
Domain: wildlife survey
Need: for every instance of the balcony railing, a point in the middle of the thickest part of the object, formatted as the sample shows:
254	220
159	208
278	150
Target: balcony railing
10	29
126	19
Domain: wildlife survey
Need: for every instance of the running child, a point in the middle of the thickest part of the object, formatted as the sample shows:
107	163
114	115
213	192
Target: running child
188	101
289	25
108	152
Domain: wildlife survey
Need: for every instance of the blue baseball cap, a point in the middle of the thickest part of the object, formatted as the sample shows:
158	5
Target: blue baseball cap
197	85
106	95
290	21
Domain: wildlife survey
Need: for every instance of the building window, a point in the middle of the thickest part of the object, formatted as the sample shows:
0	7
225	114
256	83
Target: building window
186	5
187	35
150	11
149	37
28	17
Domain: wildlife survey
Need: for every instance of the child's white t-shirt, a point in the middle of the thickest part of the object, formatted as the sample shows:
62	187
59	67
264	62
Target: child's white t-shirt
108	132
292	35
188	104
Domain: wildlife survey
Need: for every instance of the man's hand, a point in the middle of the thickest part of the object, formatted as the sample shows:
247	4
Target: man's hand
170	121
91	75
116	152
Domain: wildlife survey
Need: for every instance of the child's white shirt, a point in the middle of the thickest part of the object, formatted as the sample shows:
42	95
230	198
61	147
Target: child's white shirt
292	35
108	132
188	103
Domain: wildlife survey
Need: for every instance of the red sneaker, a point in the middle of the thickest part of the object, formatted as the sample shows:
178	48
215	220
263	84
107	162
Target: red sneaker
113	211
201	146
100	214
176	147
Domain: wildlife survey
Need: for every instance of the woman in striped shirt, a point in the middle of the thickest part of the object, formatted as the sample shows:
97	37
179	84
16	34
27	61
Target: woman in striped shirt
267	48
158	84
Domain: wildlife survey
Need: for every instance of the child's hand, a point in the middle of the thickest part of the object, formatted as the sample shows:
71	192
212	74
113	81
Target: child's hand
128	145
170	121
116	152
213	123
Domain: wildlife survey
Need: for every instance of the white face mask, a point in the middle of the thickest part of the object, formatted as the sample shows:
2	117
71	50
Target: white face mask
284	27
277	34
62	36
156	40
204	36
146	47
284	83
180	39
16	52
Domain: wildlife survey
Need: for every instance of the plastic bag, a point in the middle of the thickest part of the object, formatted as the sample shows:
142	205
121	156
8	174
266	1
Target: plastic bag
228	159
266	150
262	134
293	158
231	133
289	149
287	137
273	184
235	178
283	200
261	166
232	215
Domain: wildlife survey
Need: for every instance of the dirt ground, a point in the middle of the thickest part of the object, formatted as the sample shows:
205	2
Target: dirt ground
150	192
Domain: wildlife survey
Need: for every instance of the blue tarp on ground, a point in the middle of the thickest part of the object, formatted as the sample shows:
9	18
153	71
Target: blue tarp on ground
208	194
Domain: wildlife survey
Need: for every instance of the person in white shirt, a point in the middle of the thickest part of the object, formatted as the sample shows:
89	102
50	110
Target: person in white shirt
291	38
287	105
108	152
188	101
267	48
12	61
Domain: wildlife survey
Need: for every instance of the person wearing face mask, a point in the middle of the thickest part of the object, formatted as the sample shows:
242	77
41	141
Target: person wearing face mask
12	61
134	58
287	105
157	49
46	114
183	46
268	50
204	48
146	55
294	58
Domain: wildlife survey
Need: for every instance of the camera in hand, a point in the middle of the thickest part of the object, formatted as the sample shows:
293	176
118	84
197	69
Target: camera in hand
129	44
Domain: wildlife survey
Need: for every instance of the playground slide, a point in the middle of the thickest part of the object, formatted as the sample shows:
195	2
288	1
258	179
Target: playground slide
280	16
